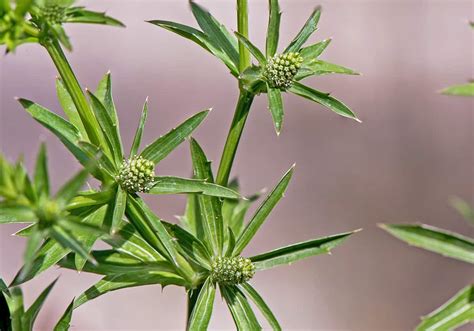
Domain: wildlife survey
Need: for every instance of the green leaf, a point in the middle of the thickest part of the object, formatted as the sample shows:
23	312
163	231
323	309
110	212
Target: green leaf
69	190
105	167
65	320
275	105
119	208
262	212
30	316
309	27
104	94
323	99
65	131
109	128
90	198
41	177
458	311
244	317
465	90
310	53
137	139
131	279
80	15
192	218
210	206
13	213
437	240
67	240
273	31
32	246
199	38
296	252
319	67
252	48
69	108
202	311
161	147
464	209
60	34
261	305
17	310
174	185
216	32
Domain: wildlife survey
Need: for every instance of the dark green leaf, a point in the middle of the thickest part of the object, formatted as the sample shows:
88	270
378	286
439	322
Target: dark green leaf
192	218
273	31
67	240
210	207
261	305
275	104
41	177
310	53
244	317
119	207
323	99
202	311
90	198
80	15
458	311
262	212
104	94
32	312
465	90
65	320
309	27
252	48
139	133
319	67
295	252
161	147
69	108
434	239
174	185
105	167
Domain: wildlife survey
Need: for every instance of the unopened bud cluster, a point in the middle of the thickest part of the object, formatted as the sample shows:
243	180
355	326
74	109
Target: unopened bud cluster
136	174
281	69
53	14
232	270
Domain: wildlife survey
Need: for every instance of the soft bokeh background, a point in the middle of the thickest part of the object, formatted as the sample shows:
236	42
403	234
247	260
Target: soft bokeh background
411	153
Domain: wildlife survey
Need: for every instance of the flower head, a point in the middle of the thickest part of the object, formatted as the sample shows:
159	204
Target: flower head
136	174
53	14
232	270
281	69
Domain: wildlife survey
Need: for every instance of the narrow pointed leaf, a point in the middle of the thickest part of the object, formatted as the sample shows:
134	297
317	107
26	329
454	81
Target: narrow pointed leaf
13	213
434	239
67	240
16	305
323	99
319	67
125	280
105	166
119	207
262	212
41	177
32	246
465	90
210	207
104	94
296	252
72	186
64	322
261	305
32	312
192	218
80	15
275	104
464	209
309	27
458	311
310	53
90	198
252	48
242	313
139	133
174	185
273	31
161	147
202	310
216	32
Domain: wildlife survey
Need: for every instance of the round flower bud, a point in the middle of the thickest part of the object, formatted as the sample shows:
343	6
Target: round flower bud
136	174
232	270
281	69
53	14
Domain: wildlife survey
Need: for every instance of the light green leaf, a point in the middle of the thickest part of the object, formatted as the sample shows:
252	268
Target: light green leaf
319	67
90	198
323	99
65	320
273	31
13	213
192	219
119	208
464	209
105	167
465	90
139	133
275	105
210	206
17	310
202	310
80	15
244	317
67	240
261	305
69	108
30	315
41	177
309	27
69	190
458	311
434	239
104	94
174	185
32	246
161	147
131	279
296	252
310	53
262	212
252	48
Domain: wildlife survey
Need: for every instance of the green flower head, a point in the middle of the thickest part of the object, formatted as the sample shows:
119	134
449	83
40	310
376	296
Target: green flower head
136	174
281	69
232	270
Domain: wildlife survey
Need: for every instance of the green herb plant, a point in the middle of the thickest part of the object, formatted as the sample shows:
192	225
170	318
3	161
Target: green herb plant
204	252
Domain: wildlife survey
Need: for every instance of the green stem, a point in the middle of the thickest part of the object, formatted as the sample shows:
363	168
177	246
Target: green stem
243	29
74	89
233	137
192	296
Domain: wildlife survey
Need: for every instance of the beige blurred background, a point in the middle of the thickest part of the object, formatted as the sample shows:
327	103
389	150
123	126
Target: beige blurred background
412	152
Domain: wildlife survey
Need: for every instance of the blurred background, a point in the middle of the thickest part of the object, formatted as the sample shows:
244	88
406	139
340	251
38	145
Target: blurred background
412	152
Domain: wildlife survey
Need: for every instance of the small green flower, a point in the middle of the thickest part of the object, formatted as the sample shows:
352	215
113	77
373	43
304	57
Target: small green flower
136	174
53	14
281	69
232	270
